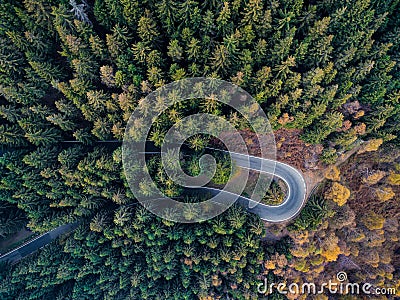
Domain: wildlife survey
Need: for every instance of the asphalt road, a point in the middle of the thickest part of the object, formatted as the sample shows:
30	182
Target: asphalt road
32	246
294	201
294	180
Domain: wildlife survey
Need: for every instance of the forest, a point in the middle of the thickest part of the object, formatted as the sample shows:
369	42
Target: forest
327	75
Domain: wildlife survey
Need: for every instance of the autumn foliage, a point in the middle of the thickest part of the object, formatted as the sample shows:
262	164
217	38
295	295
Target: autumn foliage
338	193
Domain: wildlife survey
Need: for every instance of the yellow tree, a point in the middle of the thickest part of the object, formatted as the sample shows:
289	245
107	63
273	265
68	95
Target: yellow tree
384	194
338	193
330	249
333	174
394	178
373	221
374	177
371	145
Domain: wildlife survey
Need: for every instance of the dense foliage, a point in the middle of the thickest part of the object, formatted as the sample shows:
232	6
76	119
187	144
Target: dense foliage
359	236
72	72
134	255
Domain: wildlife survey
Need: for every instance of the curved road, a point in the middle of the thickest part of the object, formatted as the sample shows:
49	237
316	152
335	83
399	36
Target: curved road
294	180
294	201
